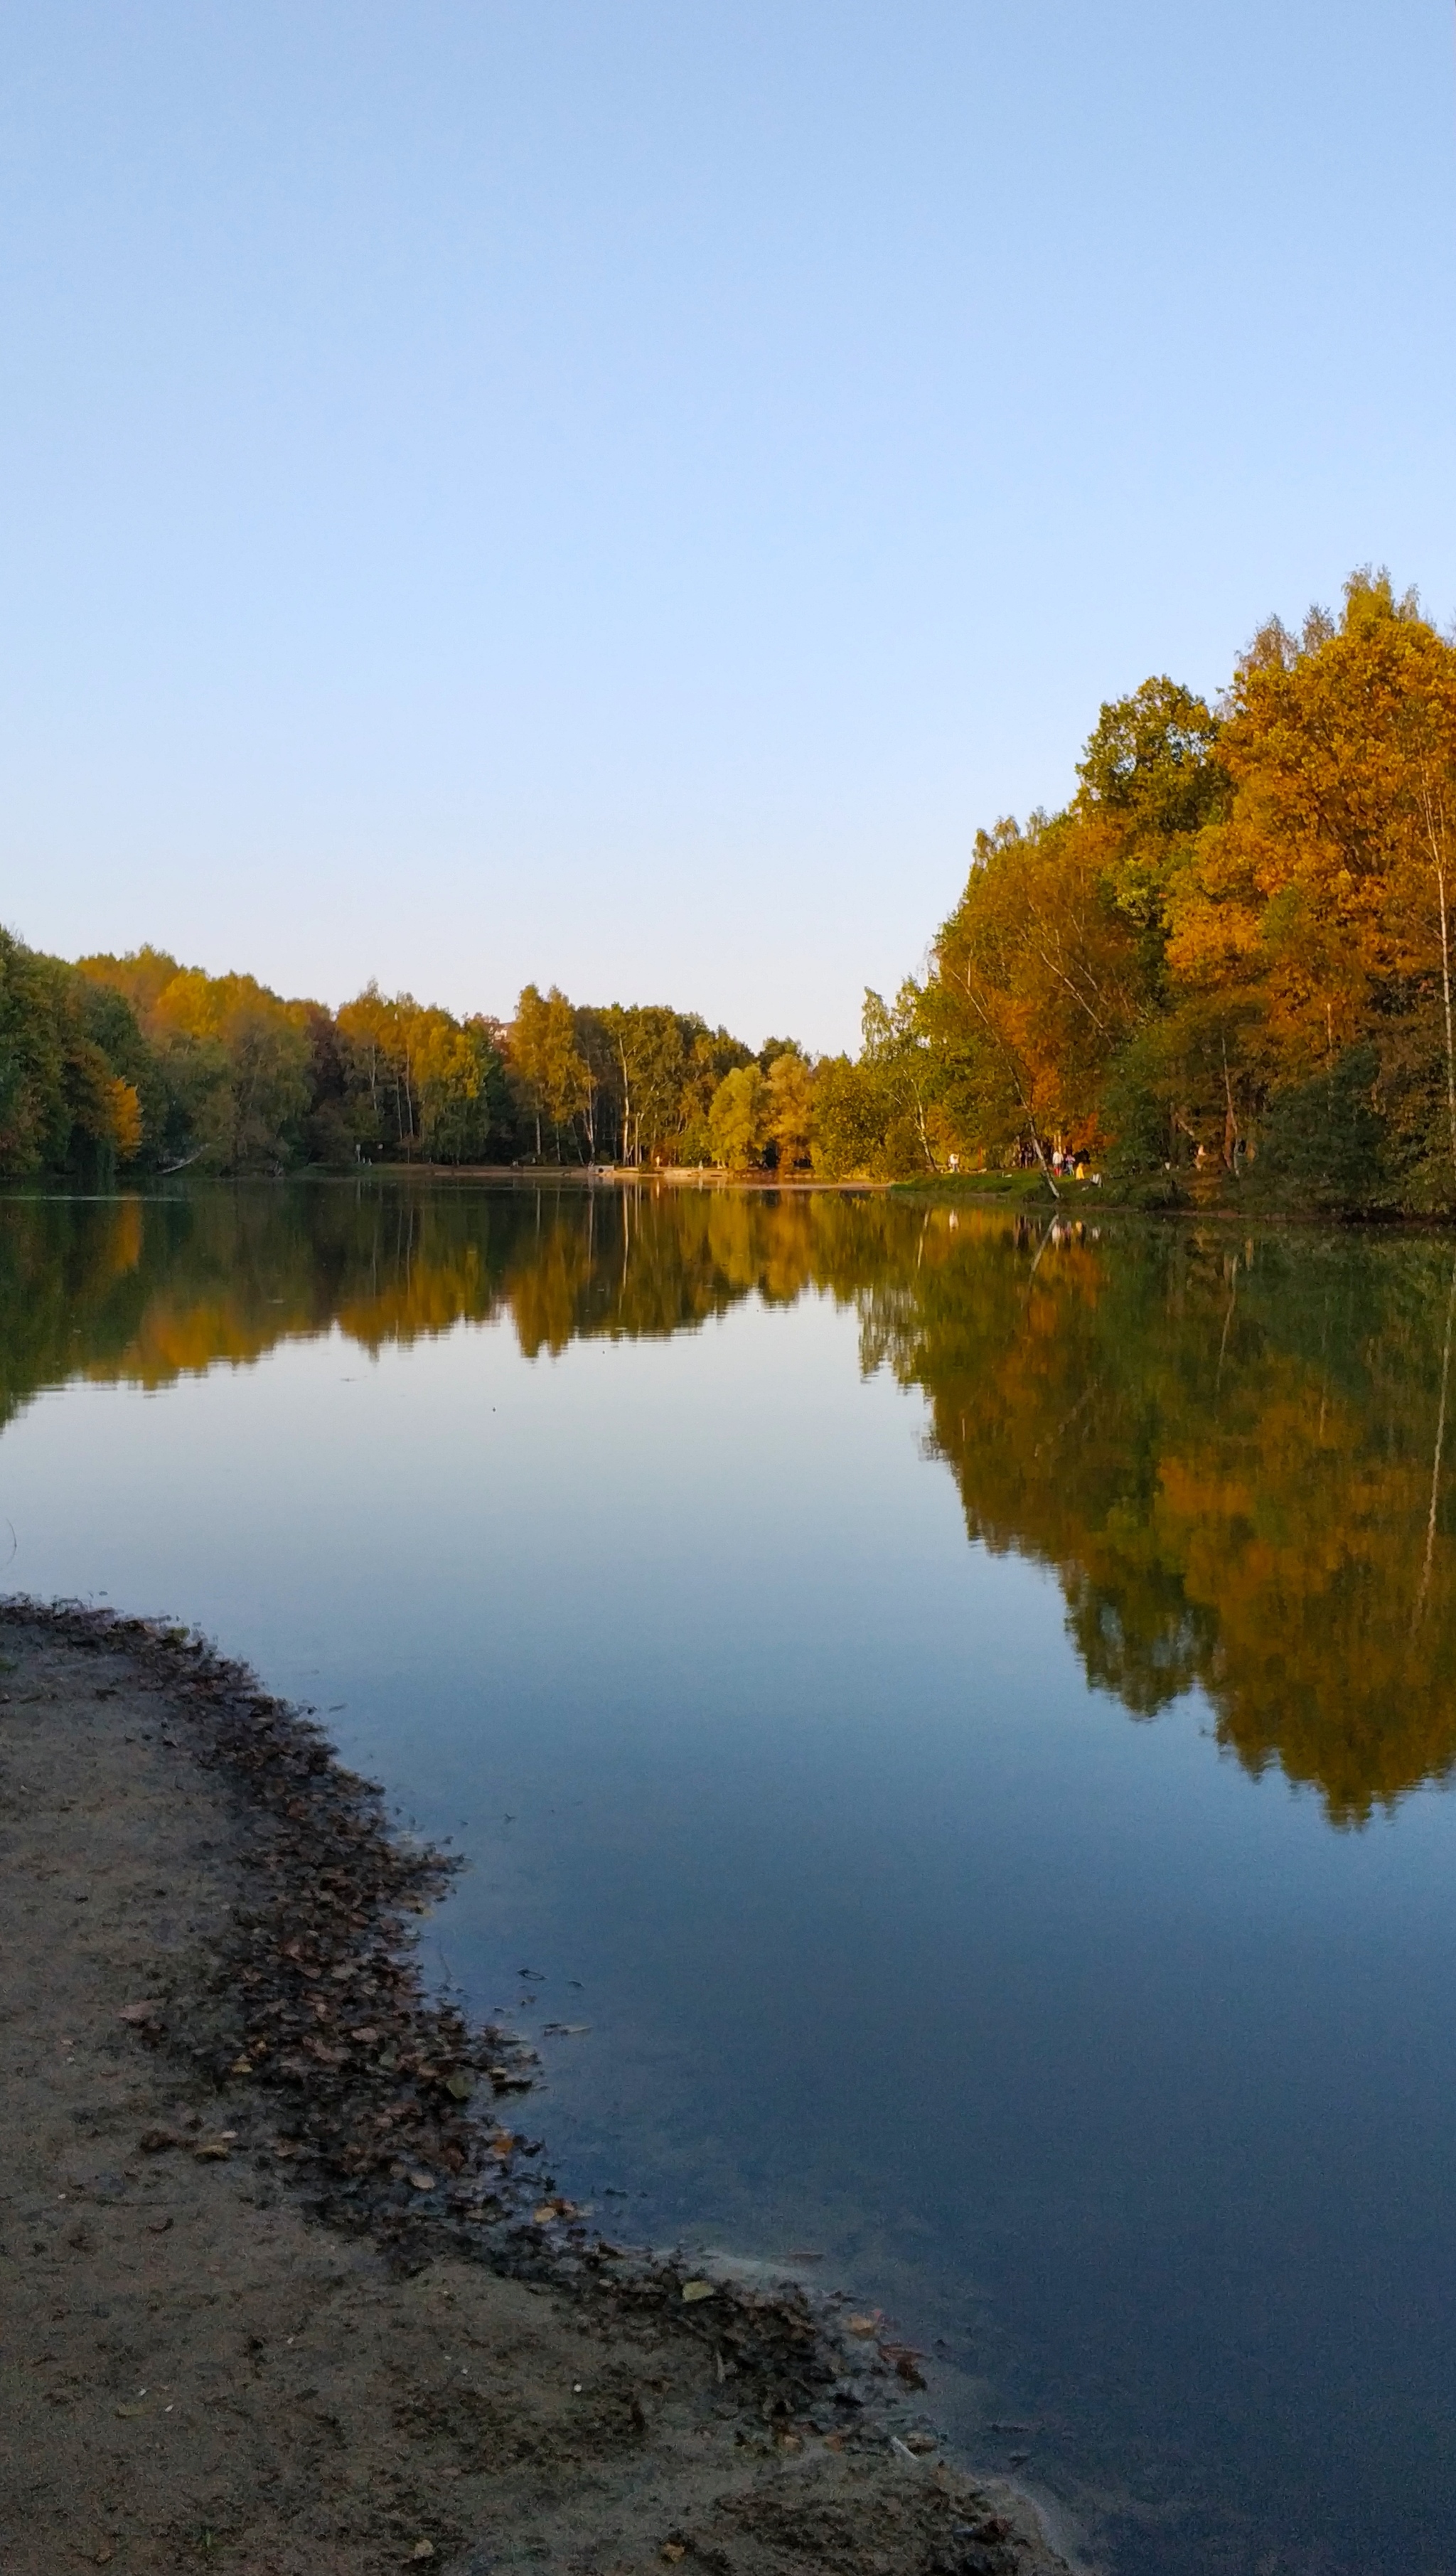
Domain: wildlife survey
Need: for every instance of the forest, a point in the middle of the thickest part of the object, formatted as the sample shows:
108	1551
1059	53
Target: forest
139	1063
1222	973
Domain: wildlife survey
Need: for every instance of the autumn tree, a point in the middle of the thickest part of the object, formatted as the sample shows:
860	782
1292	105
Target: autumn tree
1313	917
1034	988
547	1064
790	1109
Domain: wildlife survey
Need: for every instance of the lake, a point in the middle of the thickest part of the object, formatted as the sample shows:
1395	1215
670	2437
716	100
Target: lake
960	1705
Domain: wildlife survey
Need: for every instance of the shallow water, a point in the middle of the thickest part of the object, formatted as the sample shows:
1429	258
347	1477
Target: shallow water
961	1709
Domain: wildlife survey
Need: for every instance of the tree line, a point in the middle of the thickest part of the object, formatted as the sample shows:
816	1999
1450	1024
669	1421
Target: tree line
1223	971
140	1063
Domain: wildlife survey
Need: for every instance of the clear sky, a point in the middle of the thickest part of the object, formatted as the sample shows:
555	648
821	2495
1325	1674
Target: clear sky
615	491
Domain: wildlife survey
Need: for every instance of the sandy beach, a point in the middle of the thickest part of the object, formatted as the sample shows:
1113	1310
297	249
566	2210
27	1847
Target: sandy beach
287	2283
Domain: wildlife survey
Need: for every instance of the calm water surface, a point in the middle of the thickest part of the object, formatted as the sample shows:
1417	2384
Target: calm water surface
963	1710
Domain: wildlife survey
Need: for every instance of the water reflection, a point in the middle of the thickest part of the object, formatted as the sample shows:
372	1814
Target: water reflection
145	1289
1231	1451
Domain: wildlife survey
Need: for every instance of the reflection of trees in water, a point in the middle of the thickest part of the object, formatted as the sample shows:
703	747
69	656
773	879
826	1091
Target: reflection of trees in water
149	1288
1228	1451
1236	1456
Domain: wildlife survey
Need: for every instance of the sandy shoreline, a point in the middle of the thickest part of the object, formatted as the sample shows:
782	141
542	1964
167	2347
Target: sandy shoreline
286	2282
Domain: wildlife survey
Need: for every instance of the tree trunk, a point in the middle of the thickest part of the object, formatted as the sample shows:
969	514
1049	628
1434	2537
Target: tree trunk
1435	818
1446	999
1230	1116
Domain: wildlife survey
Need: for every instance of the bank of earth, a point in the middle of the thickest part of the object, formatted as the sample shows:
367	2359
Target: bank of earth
285	2282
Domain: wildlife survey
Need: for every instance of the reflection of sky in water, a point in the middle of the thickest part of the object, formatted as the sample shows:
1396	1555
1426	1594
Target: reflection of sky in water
1120	2071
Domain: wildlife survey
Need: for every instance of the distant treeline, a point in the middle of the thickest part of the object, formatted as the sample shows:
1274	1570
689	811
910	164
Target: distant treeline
143	1064
1225	970
138	1062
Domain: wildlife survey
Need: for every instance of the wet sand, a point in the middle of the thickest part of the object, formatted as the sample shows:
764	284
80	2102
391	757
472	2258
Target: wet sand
286	2282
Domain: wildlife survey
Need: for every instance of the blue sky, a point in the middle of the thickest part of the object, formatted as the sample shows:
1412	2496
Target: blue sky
615	491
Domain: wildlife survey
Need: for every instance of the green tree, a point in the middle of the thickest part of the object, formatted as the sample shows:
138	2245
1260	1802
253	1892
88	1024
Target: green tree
739	1119
1152	769
850	1119
72	1071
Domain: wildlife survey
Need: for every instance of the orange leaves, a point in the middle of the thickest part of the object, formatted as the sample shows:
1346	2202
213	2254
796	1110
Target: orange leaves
1232	905
1306	889
1036	981
125	1115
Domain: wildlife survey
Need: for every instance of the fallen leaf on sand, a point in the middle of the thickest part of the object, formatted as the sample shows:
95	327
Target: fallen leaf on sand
140	2012
697	2289
212	2152
861	2325
131	2410
420	2180
502	2143
241	2066
459	2087
672	2551
423	2549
